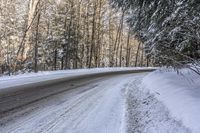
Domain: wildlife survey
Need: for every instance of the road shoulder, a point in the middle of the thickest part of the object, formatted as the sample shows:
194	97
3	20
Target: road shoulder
146	114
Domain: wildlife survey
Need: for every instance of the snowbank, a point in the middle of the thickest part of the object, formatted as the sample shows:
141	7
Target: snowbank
28	78
146	114
180	93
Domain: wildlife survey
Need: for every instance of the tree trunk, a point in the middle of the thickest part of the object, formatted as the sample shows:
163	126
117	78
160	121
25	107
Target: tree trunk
137	54
118	39
93	34
98	45
128	49
33	7
142	56
120	57
87	40
55	59
36	44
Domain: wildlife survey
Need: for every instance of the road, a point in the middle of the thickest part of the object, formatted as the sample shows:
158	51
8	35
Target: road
87	104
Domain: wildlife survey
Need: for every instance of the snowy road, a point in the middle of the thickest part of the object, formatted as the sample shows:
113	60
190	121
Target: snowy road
88	105
99	103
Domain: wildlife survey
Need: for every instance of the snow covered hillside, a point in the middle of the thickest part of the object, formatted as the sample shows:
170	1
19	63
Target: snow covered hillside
180	93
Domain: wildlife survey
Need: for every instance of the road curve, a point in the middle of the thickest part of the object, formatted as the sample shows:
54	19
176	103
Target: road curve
87	103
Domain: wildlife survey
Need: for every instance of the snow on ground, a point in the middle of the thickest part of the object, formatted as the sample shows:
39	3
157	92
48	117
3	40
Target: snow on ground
180	93
112	104
145	114
27	78
97	107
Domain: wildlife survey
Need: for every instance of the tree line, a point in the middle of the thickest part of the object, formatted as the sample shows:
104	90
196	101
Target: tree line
38	35
169	29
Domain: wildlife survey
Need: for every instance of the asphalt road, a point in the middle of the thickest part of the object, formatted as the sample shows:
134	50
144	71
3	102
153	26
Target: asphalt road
87	103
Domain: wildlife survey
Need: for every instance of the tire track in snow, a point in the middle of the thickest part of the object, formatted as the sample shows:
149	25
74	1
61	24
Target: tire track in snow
95	106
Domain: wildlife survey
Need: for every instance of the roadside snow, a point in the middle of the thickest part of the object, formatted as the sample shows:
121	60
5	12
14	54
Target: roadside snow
10	81
180	93
145	114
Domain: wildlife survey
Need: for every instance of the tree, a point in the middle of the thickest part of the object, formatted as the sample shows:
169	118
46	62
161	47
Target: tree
168	29
39	35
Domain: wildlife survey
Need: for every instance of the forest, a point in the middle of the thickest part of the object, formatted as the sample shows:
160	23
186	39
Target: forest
169	30
40	35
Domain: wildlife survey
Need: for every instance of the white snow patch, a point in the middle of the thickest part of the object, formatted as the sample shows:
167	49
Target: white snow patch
180	93
146	114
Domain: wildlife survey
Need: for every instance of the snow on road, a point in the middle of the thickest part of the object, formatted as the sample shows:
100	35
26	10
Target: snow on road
107	104
27	78
96	107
